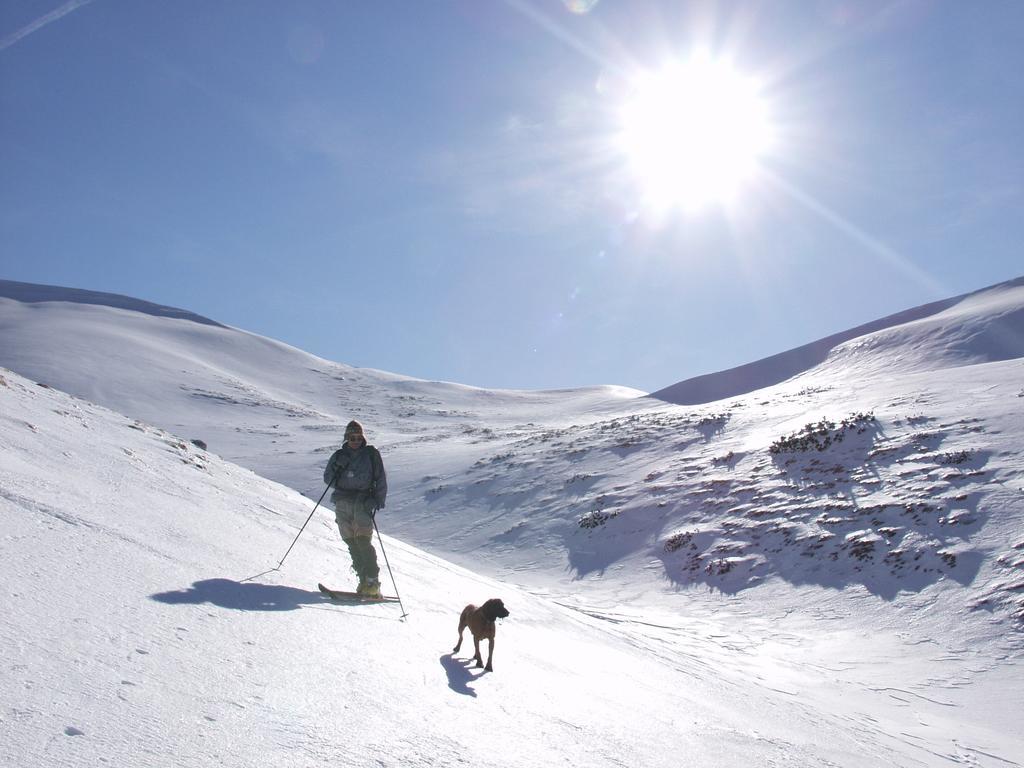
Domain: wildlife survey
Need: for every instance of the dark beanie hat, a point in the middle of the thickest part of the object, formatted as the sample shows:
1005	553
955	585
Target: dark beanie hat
354	427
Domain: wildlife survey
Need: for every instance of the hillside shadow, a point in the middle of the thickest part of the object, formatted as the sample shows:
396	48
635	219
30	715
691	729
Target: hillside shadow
459	676
897	519
848	505
593	550
241	596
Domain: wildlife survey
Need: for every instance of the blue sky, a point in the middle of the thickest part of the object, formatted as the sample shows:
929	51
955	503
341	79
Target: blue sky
441	190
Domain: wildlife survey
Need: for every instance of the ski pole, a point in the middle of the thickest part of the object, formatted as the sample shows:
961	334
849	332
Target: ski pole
307	521
390	573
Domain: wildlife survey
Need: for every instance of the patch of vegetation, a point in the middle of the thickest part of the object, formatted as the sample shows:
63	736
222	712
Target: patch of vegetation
497	458
596	518
719	567
821	435
726	459
678	540
813	391
954	457
714	420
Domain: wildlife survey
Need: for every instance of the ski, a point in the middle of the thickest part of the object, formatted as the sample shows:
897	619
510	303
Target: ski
338	594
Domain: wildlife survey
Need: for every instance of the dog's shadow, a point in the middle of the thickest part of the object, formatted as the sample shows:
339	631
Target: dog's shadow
459	674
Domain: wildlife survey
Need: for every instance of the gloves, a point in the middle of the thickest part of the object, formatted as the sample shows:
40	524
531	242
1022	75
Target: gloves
331	473
377	506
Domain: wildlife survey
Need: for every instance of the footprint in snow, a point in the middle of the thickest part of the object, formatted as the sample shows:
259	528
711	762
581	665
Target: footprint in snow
72	731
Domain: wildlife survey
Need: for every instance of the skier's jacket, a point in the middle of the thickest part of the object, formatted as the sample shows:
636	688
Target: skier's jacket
357	474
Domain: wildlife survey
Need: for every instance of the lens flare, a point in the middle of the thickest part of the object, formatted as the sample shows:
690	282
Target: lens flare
580	7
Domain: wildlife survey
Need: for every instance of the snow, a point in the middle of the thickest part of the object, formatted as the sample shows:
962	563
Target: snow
687	583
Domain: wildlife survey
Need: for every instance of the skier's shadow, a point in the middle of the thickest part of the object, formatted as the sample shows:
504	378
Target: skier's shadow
459	676
241	596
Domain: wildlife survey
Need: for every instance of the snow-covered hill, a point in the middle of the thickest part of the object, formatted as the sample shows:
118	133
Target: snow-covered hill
268	405
905	502
145	625
982	326
850	538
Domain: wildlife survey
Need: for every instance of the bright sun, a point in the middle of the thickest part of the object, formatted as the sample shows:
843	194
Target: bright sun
693	133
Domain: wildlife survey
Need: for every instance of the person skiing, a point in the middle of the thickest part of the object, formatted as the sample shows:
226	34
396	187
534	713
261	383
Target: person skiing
356	472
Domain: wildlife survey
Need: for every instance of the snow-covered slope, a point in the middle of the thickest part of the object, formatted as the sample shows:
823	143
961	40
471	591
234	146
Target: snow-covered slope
825	571
268	405
982	326
144	625
548	488
32	293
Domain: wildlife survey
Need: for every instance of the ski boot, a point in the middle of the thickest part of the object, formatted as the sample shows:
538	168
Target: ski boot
369	588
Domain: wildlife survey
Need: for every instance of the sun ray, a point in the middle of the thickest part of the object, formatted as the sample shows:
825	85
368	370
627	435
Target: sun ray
892	257
42	21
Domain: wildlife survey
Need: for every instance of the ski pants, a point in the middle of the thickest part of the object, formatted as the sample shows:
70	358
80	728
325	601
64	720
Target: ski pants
356	528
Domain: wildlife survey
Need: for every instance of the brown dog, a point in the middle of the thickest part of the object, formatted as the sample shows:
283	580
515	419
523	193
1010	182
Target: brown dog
481	623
